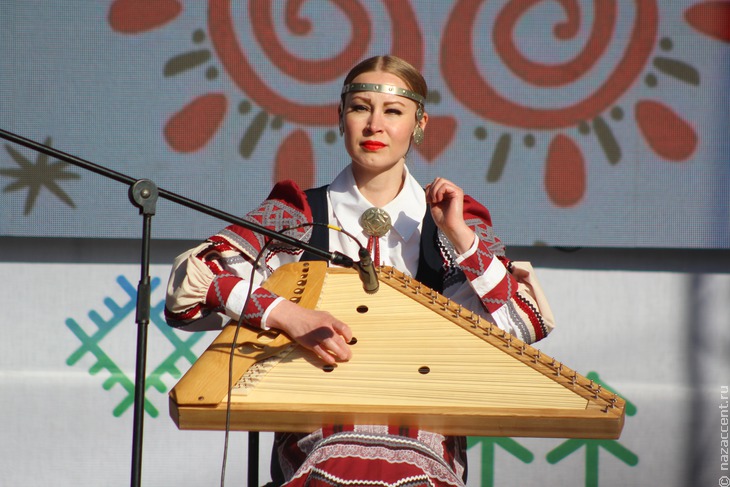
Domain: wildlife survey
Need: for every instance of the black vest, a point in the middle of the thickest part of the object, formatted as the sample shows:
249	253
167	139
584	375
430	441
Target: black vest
430	264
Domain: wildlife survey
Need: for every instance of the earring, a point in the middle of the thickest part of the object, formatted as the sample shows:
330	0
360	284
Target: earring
418	135
341	112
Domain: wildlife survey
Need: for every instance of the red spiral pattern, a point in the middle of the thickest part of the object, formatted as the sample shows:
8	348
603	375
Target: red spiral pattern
304	69
225	41
469	85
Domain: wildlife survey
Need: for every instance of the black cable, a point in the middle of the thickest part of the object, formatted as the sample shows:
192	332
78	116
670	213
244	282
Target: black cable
239	323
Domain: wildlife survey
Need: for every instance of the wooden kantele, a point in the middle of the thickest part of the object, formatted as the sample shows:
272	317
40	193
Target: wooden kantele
419	360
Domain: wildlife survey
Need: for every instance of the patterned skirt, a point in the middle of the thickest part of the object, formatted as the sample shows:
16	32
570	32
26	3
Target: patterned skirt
364	457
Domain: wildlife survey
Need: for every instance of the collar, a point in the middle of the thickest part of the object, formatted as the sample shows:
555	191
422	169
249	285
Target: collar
406	210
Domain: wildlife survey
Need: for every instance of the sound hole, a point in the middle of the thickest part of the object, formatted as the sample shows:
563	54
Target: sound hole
424	370
328	368
362	309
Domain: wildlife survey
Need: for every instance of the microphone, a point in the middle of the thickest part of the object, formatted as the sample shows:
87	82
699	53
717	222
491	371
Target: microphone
366	270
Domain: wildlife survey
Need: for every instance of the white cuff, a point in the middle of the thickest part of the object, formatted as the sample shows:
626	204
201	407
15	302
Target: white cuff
265	317
491	278
237	298
472	250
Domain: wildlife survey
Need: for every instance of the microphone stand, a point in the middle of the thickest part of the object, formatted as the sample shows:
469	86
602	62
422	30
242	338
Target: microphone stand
144	194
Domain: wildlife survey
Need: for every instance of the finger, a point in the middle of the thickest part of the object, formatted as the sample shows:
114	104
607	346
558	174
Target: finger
434	191
343	330
439	195
333	350
339	348
441	187
450	192
324	355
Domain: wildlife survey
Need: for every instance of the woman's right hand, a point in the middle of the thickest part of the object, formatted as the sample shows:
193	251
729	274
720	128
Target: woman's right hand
315	330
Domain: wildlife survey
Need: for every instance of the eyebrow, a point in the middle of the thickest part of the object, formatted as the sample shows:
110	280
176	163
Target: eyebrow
364	96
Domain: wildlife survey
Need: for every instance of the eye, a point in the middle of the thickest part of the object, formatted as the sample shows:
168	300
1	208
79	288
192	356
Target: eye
358	108
394	111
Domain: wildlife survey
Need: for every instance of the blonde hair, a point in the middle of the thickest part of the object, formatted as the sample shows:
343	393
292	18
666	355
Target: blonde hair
394	65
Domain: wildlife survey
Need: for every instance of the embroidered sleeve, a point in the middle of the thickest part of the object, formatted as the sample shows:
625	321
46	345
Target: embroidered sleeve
509	296
213	278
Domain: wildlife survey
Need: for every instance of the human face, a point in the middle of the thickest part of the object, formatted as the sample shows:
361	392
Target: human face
378	126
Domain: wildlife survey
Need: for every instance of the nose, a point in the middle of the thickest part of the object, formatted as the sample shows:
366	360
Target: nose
375	121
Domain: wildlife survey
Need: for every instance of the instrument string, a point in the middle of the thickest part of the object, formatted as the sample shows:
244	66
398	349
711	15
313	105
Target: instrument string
459	365
239	324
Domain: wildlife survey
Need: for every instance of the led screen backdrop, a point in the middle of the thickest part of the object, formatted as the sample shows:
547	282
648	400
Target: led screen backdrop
577	123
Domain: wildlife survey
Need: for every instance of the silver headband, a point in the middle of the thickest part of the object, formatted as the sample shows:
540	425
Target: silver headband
388	89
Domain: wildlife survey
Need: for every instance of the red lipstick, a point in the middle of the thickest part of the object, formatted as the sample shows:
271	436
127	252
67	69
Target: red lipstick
372	145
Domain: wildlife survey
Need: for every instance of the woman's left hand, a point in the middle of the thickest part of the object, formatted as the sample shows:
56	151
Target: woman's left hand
447	209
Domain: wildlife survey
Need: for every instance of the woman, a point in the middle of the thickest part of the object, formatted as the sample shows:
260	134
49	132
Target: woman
440	236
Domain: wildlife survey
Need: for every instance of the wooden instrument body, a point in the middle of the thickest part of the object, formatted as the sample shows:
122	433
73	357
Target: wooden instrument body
419	361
